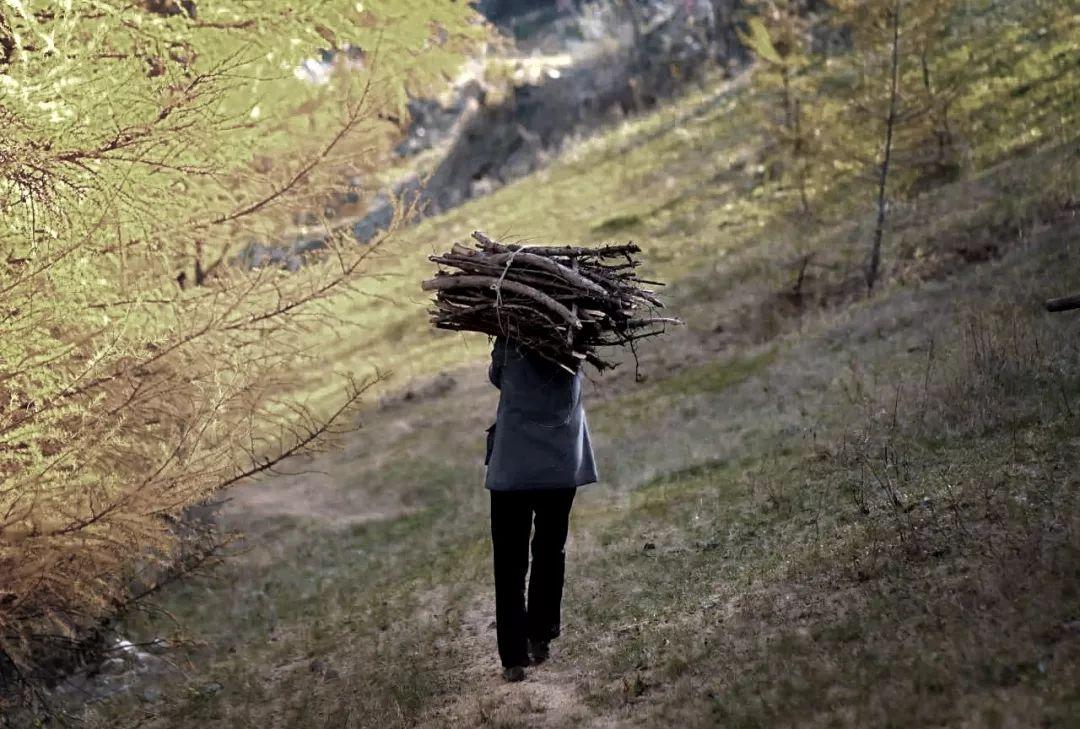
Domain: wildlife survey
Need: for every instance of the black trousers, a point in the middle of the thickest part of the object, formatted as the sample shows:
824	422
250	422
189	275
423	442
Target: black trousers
513	515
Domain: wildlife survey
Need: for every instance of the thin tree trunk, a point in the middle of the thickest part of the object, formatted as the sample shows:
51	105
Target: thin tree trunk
634	14
636	56
874	264
789	115
800	159
720	30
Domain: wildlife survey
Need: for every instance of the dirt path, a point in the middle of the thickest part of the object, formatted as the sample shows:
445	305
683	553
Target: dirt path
550	696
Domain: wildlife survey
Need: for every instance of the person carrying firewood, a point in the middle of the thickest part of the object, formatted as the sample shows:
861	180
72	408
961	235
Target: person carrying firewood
553	309
538	454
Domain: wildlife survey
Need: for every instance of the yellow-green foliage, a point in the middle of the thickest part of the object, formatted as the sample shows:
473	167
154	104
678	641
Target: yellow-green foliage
978	80
779	36
689	185
142	143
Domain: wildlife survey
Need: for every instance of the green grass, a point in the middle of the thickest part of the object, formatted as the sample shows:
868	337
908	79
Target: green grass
618	224
686	182
749	589
740	565
714	377
631	411
802	606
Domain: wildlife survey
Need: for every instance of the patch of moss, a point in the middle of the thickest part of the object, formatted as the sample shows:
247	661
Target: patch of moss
704	379
715	376
617	224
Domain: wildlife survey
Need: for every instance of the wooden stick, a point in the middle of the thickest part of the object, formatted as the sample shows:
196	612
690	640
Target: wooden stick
551	266
567	251
1065	303
444	283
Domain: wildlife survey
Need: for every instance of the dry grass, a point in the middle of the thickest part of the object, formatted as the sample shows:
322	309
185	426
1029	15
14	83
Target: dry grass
916	570
801	522
775	583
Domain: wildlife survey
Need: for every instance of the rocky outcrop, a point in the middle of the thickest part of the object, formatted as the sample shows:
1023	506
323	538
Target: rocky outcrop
493	143
618	59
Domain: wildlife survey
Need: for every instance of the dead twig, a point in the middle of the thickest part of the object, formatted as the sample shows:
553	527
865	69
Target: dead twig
565	302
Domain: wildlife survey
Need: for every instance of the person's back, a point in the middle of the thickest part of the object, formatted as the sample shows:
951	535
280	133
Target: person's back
541	438
538	453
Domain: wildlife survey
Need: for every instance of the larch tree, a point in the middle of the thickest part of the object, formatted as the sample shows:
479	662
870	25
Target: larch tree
870	103
860	119
779	37
144	142
893	120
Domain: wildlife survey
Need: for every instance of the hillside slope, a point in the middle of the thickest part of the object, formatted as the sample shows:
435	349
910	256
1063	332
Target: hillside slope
743	563
817	508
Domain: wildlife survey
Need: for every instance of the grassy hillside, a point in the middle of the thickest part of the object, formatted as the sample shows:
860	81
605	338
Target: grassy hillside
817	508
692	183
871	522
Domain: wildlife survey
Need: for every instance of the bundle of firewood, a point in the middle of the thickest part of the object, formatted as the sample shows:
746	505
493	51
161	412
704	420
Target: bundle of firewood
563	302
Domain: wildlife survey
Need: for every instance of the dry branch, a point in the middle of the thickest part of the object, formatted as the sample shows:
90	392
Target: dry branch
565	302
1065	303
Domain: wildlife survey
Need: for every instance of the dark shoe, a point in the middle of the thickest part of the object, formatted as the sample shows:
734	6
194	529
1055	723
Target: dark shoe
539	651
512	674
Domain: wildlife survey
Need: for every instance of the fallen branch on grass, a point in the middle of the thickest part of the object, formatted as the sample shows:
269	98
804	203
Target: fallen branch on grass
1065	303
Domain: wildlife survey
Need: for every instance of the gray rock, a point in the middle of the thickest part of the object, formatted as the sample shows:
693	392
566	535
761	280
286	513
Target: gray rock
151	665
301	247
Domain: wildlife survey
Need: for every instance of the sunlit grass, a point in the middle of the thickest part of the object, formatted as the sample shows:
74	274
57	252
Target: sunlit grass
602	179
686	183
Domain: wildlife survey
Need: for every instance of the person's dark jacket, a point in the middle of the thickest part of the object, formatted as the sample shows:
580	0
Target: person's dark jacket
540	438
